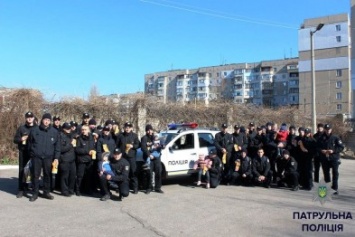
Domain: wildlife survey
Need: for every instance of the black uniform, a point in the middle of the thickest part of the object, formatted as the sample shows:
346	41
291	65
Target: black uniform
331	161
271	151
288	171
155	164
224	140
103	142
121	170
305	163
292	145
44	144
244	168
215	172
122	140
23	150
255	143
241	140
67	166
84	163
261	167
317	158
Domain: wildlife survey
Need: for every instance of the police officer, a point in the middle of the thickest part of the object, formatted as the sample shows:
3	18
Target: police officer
85	121
20	139
120	168
261	170
329	147
288	171
216	169
291	143
44	144
128	143
56	123
316	161
307	151
256	142
155	164
224	145
240	141
105	143
67	166
242	169
85	152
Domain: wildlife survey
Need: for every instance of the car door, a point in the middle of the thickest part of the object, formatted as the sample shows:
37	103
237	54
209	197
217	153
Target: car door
205	142
181	152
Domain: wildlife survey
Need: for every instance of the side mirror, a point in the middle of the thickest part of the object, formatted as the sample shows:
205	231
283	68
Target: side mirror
170	149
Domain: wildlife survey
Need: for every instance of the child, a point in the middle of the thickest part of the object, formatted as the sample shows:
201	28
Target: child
281	138
105	169
203	164
155	151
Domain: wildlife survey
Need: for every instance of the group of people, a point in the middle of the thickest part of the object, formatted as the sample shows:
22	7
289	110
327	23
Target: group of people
91	158
85	157
267	154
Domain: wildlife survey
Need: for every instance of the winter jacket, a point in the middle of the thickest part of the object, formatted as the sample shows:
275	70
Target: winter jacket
44	142
128	138
84	145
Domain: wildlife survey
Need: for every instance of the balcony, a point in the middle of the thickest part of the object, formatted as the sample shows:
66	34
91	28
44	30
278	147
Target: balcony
292	68
238	80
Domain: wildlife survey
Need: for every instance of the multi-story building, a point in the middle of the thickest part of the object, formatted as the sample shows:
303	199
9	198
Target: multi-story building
241	83
332	66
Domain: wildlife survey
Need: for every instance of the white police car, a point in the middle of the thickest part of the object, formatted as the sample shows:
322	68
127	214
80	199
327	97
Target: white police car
181	148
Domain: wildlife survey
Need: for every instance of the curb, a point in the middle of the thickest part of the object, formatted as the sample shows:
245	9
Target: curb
8	167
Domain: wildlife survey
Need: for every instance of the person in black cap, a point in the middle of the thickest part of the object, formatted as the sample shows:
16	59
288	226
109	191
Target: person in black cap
256	142
329	148
120	167
298	152
44	144
85	153
74	129
242	169
216	169
56	123
224	145
317	161
85	121
20	139
291	141
261	170
128	143
67	167
105	143
147	143
305	165
287	171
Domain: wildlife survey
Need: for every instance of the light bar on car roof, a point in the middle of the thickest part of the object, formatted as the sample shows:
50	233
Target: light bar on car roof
173	126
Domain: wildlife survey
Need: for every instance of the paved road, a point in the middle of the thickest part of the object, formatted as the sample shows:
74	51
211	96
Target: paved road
184	210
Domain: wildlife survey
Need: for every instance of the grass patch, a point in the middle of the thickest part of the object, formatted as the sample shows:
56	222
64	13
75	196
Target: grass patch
8	161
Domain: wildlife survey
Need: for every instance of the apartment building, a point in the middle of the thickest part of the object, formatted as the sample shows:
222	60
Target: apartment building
263	83
331	66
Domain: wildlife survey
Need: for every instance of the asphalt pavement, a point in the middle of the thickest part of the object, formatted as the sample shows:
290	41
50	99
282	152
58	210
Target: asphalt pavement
183	210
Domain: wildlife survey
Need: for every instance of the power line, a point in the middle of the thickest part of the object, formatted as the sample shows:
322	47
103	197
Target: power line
218	14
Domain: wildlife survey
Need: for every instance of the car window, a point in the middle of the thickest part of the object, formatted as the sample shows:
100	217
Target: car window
165	138
205	139
186	141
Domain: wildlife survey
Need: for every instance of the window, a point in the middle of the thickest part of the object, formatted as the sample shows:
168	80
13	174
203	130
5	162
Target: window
184	142
339	106
338	27
339	96
293	90
338	38
338	84
339	73
217	74
293	83
225	73
205	139
294	74
275	69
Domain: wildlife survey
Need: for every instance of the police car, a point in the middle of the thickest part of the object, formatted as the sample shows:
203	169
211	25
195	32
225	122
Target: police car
182	144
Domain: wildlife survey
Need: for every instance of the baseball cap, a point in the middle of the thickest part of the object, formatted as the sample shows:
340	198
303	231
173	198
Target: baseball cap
224	125
55	118
236	126
29	114
213	152
86	115
327	126
117	151
128	124
66	126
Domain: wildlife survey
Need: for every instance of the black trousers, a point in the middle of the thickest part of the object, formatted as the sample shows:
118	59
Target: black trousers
23	158
123	186
133	179
317	165
67	176
84	173
214	180
237	178
267	180
291	179
306	172
38	165
334	165
155	166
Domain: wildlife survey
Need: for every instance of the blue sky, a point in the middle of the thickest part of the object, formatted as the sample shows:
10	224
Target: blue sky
65	47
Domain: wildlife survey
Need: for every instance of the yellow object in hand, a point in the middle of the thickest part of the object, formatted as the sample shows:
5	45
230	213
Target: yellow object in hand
105	147
236	147
224	158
